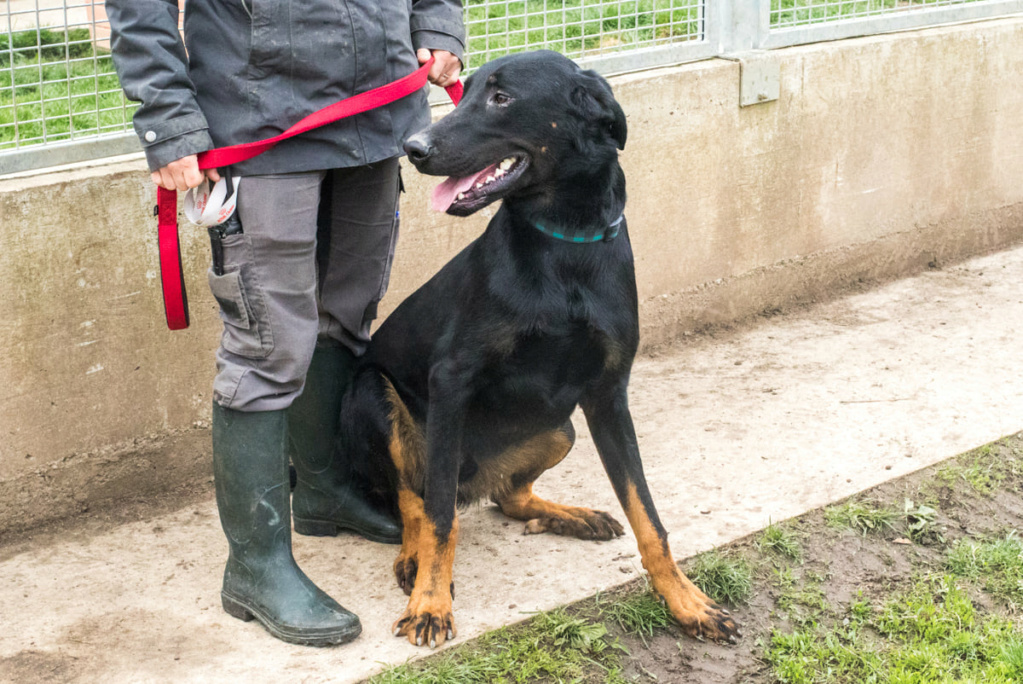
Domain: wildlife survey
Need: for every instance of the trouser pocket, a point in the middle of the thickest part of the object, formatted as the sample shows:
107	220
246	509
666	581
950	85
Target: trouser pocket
247	327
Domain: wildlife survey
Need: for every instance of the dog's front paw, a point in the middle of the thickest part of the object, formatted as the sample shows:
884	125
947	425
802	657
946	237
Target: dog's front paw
427	621
581	523
707	620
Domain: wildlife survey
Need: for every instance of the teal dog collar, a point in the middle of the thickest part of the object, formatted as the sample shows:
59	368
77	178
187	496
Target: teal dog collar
582	236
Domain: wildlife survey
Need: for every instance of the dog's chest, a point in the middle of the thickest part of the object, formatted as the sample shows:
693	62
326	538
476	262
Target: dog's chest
545	369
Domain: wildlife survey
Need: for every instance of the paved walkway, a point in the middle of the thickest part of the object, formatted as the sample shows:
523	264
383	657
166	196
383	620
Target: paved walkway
766	423
19	15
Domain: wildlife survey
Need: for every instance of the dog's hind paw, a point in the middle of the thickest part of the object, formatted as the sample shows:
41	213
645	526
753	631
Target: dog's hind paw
581	523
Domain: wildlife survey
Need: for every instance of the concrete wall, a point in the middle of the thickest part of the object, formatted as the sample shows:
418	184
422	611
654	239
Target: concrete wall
883	156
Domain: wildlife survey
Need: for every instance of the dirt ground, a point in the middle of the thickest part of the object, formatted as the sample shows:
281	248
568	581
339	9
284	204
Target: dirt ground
974	497
849	563
737	428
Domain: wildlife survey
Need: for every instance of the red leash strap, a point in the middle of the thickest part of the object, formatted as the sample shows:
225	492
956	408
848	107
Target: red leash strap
175	300
455	92
172	278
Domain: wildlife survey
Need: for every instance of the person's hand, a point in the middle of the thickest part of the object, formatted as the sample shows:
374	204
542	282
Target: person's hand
183	174
445	70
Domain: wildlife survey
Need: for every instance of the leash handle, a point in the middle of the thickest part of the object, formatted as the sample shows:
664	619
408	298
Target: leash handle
175	300
172	279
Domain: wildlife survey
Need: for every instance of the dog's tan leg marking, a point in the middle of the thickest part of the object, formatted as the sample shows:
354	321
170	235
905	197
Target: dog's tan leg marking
428	617
698	614
540	515
406	564
405	450
423	567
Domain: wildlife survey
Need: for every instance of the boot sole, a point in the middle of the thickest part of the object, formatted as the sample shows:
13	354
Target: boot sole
238	609
326	528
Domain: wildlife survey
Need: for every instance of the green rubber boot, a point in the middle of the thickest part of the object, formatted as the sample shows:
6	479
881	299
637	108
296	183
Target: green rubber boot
325	500
261	579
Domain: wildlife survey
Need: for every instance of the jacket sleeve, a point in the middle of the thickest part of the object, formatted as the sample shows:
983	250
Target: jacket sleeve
438	25
151	62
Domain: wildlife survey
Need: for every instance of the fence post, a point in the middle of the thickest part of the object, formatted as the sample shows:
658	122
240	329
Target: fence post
744	24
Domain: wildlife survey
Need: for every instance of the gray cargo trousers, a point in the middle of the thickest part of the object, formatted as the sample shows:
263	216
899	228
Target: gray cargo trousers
282	288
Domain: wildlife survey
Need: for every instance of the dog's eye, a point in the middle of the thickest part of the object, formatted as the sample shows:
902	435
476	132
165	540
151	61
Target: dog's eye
501	99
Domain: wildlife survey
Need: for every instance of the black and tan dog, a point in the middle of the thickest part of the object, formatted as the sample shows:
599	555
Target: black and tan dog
467	389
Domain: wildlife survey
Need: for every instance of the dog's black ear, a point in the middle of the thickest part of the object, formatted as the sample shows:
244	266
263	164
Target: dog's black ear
618	128
594	93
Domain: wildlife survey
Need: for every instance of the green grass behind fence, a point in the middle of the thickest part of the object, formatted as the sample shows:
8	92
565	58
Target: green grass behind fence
56	83
787	13
577	27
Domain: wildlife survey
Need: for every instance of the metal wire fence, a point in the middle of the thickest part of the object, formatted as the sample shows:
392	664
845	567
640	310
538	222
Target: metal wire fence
60	100
578	28
57	79
785	13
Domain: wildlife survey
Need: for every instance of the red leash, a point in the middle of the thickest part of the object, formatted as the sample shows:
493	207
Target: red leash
175	301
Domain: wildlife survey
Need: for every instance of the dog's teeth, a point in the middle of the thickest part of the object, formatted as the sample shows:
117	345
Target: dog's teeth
461	195
507	163
479	185
490	179
499	173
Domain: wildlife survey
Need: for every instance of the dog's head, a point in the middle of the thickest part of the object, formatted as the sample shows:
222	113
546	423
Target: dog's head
525	122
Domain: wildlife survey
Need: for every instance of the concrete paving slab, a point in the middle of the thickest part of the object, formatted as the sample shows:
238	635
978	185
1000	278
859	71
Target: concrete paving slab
737	429
18	15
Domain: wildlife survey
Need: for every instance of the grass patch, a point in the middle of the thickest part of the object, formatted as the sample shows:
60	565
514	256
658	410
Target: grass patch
639	614
553	646
861	517
998	564
723	578
809	595
930	634
781	541
981	469
46	44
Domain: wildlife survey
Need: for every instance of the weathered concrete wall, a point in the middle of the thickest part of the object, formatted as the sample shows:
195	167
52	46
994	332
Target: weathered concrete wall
883	155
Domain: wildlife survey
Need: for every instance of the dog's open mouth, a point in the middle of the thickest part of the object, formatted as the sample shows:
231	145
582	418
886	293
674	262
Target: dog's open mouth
465	195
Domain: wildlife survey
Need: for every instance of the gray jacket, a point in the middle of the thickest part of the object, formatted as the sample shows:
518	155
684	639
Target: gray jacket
255	67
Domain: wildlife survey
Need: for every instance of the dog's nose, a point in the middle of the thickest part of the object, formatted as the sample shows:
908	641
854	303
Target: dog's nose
418	148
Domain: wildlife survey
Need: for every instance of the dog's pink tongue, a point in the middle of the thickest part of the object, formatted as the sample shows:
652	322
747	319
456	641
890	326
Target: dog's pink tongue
445	193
